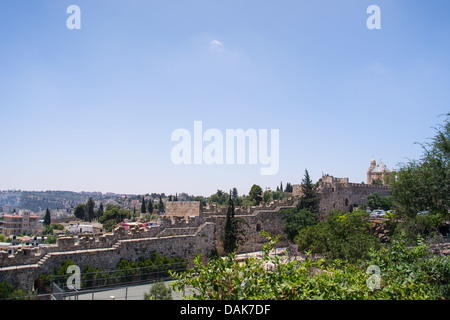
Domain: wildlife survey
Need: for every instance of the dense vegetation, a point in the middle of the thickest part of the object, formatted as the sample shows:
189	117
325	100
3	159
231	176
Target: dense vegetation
405	273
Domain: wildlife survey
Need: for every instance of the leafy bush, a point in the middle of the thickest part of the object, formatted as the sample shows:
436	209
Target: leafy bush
158	291
345	236
411	273
405	273
297	220
7	292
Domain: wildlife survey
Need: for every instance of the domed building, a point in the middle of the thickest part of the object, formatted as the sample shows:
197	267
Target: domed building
376	174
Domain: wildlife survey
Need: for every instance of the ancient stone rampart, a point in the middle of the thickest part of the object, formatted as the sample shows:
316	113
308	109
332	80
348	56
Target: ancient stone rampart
181	235
22	275
340	194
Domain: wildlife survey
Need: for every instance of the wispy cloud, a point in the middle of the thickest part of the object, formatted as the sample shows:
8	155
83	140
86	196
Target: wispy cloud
215	44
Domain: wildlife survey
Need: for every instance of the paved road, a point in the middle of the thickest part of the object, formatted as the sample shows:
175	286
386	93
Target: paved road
129	293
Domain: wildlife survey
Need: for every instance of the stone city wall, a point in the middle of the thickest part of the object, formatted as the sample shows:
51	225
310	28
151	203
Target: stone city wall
179	235
338	193
185	246
183	208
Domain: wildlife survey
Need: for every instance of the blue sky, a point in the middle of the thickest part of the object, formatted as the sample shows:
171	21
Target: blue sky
93	109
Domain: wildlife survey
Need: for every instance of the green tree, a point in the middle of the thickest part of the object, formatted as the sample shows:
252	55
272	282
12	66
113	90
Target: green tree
234	194
90	213
159	291
297	220
80	211
51	239
47	218
8	292
150	206
161	205
143	206
267	196
289	188
255	194
309	199
100	211
424	184
201	199
113	215
278	195
220	197
345	236
374	201
377	182
233	231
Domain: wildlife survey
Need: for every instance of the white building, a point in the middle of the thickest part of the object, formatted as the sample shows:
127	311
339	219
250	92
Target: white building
80	228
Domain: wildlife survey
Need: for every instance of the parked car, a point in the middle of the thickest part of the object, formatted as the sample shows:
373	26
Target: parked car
377	213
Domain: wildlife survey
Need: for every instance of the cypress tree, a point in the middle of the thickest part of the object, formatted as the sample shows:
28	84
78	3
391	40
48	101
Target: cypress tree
90	213
161	205
309	200
150	206
47	218
143	207
100	211
233	232
229	240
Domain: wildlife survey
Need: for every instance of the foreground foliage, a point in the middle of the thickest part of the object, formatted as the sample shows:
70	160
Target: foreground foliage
405	273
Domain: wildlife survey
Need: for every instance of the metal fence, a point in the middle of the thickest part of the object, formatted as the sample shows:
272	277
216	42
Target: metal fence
98	283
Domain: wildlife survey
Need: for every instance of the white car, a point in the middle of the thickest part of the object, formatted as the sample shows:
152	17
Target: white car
377	213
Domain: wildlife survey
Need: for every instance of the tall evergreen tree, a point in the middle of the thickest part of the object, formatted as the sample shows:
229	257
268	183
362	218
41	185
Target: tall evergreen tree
90	213
161	205
309	199
234	194
100	211
143	206
233	231
47	218
150	206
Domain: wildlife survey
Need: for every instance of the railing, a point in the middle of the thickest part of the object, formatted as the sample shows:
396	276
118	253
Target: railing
100	281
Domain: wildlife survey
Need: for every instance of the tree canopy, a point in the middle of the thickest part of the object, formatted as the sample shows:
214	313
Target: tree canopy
424	184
